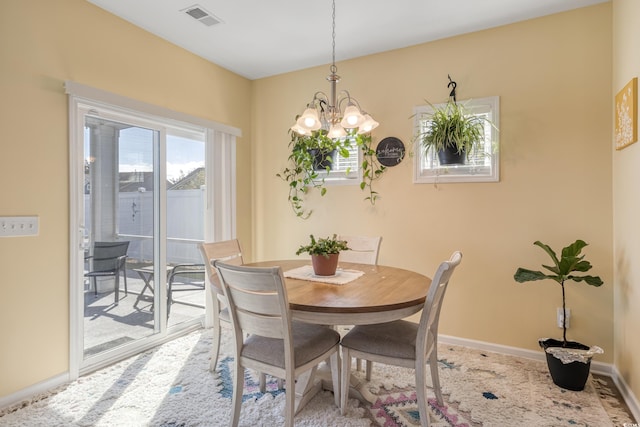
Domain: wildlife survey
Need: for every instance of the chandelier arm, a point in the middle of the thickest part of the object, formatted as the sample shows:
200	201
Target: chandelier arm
349	98
319	96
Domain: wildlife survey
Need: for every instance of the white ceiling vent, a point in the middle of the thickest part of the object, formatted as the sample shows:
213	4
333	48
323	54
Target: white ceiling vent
197	12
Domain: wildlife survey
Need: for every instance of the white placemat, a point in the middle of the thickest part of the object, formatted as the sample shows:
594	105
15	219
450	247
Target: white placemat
341	277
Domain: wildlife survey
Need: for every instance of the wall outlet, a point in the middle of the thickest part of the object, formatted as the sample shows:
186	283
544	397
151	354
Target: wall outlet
559	317
14	226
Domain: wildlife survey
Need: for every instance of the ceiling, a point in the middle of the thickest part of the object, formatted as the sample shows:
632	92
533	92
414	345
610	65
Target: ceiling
261	38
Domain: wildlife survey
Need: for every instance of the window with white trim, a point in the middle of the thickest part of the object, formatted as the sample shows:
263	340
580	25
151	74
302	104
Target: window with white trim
481	166
345	170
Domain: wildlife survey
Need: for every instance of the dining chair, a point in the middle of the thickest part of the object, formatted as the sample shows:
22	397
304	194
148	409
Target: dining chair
275	344
362	250
231	252
403	343
108	259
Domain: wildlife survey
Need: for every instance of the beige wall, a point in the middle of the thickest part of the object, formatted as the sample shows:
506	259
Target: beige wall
42	44
553	76
626	204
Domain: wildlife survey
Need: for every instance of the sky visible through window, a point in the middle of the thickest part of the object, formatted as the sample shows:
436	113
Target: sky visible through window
136	152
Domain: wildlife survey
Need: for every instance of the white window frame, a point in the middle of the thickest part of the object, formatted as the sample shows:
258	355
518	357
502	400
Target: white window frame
427	169
339	176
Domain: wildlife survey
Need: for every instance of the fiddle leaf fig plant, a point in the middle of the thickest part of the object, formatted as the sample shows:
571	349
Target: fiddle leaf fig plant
563	269
306	170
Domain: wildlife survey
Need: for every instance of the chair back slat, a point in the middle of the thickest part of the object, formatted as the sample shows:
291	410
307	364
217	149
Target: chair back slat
257	299
362	249
228	251
265	326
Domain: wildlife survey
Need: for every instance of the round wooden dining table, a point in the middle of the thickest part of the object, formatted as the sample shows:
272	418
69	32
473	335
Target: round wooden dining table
381	294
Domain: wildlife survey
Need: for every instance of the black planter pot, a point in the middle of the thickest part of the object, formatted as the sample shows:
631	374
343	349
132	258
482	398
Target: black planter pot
571	376
320	161
450	156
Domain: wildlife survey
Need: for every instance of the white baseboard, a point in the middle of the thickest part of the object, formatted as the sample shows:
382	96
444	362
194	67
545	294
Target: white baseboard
628	396
596	367
30	392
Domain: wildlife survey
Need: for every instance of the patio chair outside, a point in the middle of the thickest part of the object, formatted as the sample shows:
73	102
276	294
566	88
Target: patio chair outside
109	260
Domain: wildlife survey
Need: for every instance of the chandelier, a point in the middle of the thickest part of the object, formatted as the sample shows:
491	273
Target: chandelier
325	112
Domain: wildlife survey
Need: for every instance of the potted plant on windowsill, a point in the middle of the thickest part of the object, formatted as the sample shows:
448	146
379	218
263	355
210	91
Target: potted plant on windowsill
452	132
568	361
324	254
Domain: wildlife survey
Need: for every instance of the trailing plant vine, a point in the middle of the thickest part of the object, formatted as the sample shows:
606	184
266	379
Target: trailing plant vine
310	162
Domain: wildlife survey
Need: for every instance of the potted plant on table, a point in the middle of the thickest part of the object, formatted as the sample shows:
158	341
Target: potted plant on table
453	132
324	254
568	361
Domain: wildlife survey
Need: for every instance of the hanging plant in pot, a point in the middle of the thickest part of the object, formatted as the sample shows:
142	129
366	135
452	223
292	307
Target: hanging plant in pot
452	132
568	361
312	158
324	254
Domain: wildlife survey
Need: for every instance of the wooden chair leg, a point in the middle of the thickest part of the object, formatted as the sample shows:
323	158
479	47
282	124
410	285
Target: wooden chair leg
290	400
358	364
435	376
345	380
215	347
421	394
263	382
217	331
368	369
336	378
236	401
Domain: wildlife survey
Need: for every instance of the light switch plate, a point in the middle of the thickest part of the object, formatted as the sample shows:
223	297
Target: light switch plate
16	226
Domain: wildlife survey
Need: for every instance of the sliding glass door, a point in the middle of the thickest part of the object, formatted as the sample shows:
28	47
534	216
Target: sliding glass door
120	234
143	210
147	186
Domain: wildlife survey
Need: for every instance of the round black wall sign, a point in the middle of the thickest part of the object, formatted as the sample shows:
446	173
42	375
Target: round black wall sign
390	151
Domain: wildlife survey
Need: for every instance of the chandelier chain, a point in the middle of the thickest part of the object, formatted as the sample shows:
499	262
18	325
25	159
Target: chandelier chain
333	37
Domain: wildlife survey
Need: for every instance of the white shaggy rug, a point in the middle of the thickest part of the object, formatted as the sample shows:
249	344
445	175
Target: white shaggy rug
171	386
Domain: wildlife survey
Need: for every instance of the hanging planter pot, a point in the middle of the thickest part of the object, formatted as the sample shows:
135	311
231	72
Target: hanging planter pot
450	156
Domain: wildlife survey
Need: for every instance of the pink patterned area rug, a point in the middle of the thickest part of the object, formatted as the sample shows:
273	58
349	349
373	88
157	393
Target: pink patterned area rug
171	386
490	389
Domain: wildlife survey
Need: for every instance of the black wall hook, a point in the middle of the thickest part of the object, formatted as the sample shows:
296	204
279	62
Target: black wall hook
452	94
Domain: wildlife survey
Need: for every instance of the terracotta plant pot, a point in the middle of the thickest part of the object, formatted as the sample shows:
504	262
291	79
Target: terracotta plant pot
325	266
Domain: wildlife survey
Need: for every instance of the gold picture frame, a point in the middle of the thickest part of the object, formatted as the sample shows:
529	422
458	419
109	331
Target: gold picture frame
627	115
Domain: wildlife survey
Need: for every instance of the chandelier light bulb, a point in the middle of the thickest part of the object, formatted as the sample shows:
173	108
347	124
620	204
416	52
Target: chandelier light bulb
352	117
368	125
337	131
309	119
300	130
